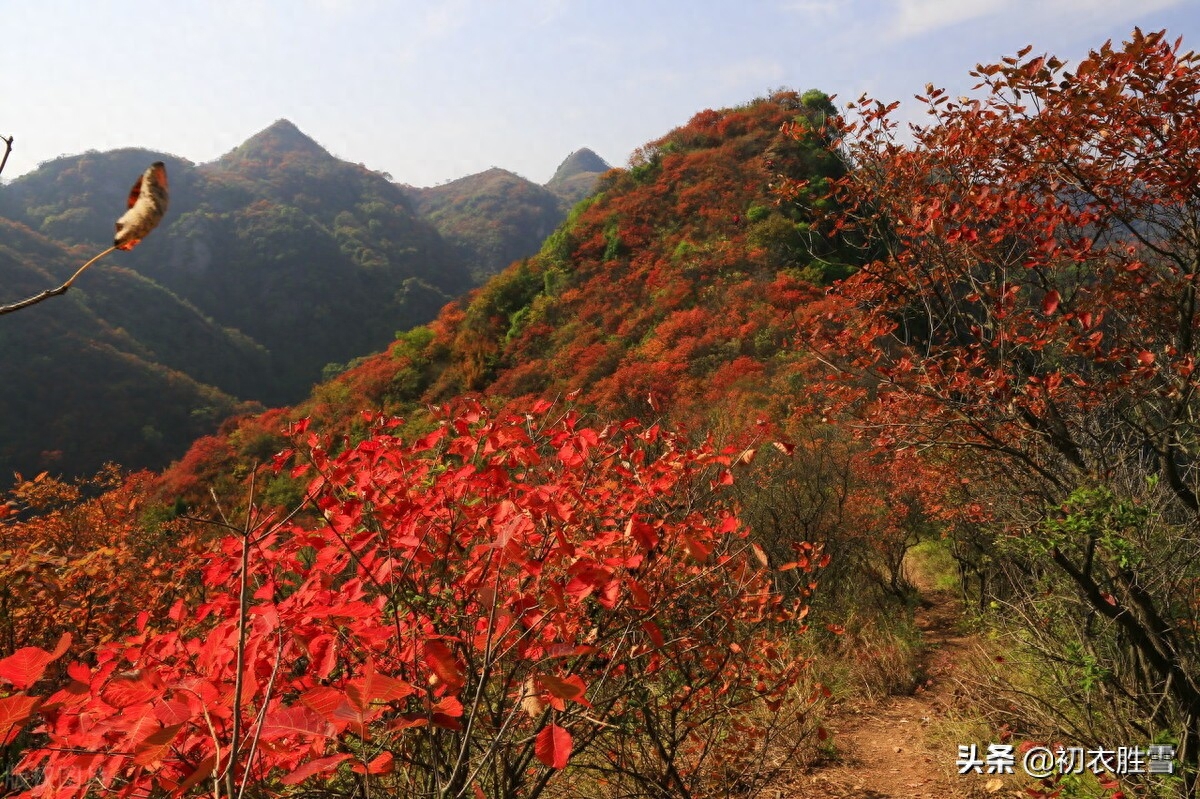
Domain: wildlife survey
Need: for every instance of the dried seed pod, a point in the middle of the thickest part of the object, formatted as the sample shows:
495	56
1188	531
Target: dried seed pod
147	204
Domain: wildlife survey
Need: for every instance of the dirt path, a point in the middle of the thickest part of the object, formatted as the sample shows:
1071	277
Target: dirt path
882	750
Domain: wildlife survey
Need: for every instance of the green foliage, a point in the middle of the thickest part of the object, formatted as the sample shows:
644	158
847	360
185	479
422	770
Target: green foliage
557	247
613	248
413	341
817	100
757	213
1094	517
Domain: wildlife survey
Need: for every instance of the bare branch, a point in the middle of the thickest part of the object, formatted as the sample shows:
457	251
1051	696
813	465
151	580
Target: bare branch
48	293
7	149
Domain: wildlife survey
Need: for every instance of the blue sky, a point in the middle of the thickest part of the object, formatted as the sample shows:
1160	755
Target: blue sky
433	91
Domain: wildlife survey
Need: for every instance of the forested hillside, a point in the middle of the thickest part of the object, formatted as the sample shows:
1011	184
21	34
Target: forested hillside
674	287
492	219
314	259
276	264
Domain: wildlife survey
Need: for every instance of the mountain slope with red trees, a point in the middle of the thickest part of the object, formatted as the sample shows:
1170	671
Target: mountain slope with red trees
670	290
670	293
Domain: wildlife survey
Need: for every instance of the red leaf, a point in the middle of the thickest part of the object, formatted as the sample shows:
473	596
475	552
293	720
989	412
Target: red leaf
175	711
155	746
651	629
318	766
1050	302
570	688
325	701
553	746
27	665
14	712
126	691
1145	357
202	771
376	687
382	764
439	658
641	532
300	719
698	550
449	706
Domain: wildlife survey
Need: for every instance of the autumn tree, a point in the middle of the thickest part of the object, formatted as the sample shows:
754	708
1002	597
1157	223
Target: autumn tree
1029	316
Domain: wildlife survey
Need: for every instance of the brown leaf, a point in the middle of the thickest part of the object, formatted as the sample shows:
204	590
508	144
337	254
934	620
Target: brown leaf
147	204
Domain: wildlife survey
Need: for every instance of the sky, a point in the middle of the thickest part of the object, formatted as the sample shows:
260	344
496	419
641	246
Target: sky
429	92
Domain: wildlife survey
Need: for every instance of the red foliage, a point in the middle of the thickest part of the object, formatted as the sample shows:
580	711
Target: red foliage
87	568
525	561
1045	275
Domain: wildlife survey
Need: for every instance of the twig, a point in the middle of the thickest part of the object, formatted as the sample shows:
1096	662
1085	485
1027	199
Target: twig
240	659
16	306
7	149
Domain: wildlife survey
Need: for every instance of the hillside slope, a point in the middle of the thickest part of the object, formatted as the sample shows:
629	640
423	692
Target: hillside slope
671	292
672	287
492	218
82	386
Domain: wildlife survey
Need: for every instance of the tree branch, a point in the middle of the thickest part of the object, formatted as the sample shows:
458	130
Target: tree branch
48	293
7	149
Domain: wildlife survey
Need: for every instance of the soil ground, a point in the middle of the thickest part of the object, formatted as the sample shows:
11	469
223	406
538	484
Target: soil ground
883	750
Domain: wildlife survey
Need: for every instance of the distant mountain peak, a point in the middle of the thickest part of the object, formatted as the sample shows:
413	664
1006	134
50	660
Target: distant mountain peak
576	176
581	161
280	138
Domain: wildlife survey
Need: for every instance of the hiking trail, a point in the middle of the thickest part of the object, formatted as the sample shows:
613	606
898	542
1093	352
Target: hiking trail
883	749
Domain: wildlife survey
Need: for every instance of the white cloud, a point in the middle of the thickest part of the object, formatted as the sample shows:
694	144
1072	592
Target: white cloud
753	74
1087	15
813	8
917	17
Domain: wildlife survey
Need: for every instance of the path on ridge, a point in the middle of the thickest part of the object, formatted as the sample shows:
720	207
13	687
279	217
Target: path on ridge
882	749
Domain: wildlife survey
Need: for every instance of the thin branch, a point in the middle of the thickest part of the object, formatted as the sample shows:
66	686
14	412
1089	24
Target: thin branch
240	659
7	149
45	295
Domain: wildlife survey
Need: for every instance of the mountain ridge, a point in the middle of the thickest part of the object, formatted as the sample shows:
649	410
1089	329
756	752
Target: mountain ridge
492	218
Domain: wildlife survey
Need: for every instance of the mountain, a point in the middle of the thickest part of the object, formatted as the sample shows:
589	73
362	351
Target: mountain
576	176
671	292
270	147
496	217
313	259
492	218
275	264
87	381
